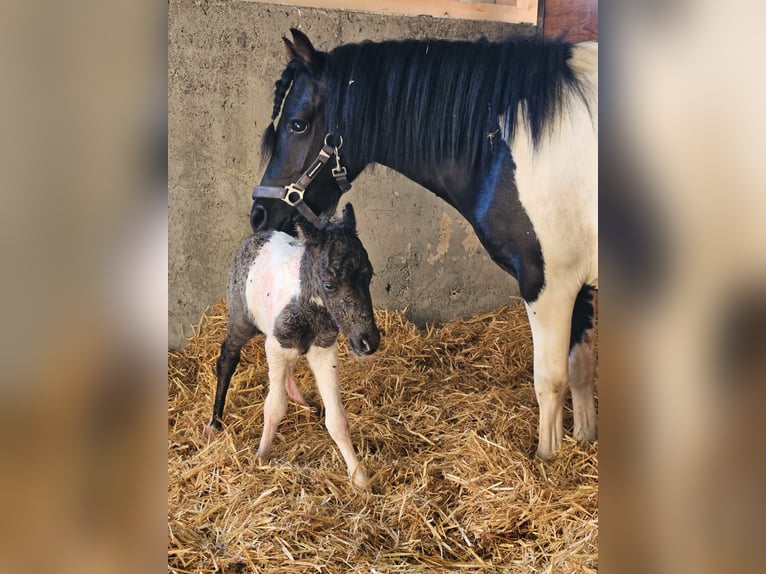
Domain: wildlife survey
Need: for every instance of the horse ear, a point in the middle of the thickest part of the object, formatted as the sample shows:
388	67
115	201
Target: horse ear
349	219
307	230
302	49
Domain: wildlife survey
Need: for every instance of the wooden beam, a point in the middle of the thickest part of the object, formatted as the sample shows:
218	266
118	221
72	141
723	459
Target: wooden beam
520	11
579	18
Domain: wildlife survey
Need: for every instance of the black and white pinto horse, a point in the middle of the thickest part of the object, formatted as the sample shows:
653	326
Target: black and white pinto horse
505	132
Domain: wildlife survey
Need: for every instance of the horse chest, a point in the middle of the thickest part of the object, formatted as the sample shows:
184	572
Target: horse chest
273	280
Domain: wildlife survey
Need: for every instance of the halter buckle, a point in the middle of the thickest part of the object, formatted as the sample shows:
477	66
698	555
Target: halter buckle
293	195
339	171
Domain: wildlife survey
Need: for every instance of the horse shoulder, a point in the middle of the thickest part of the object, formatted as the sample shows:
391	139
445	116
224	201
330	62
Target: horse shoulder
557	183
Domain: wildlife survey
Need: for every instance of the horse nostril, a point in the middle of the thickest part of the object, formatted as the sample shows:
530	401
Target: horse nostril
368	344
258	216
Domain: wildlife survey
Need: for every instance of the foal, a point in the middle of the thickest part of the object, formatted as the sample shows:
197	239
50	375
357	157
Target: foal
300	293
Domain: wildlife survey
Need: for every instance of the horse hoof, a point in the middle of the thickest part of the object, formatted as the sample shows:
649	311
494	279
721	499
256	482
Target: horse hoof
587	435
545	454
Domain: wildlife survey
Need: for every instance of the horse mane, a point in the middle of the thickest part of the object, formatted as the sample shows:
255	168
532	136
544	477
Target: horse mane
423	101
426	100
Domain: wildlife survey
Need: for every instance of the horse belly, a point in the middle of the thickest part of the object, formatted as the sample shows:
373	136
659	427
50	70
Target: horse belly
273	280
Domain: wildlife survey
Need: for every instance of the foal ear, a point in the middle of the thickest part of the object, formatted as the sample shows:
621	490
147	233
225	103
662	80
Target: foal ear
302	49
307	230
349	219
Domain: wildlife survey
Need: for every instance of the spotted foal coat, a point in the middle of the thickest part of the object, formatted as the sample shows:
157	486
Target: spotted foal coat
300	292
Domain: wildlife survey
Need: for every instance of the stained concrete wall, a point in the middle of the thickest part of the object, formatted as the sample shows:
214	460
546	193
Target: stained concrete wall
223	58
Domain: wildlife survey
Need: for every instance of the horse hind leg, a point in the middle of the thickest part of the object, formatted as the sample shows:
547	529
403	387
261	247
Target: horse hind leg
549	317
582	367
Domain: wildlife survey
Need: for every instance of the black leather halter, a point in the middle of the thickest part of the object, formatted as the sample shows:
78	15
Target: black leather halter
292	194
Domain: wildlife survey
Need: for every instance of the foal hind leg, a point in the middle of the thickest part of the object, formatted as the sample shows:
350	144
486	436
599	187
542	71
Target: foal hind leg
549	317
274	408
582	366
238	333
324	364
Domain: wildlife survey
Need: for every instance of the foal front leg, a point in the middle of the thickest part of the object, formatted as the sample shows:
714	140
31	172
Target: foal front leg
324	364
274	408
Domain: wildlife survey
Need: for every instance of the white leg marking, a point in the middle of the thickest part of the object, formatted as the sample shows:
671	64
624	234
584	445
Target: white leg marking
274	408
550	317
324	364
582	373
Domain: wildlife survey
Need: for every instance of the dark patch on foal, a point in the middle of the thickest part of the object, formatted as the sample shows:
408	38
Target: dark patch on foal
303	323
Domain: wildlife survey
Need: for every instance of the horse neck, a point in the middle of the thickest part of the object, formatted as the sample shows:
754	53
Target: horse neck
445	177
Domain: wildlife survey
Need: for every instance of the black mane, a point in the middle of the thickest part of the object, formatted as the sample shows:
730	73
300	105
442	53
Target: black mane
400	102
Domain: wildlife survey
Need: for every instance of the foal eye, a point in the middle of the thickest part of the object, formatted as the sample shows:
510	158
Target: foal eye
298	126
328	286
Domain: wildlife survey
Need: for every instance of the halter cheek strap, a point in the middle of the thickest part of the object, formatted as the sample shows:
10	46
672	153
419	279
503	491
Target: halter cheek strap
292	194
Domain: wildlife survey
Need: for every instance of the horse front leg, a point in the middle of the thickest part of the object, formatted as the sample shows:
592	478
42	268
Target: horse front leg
550	318
582	365
324	364
274	408
582	375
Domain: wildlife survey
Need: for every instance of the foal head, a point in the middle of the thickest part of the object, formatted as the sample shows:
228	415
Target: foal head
336	269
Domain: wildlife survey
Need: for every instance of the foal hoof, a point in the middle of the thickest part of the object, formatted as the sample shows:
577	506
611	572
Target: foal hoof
211	430
263	456
360	479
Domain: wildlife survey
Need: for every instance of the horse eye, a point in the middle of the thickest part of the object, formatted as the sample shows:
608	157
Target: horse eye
298	126
328	286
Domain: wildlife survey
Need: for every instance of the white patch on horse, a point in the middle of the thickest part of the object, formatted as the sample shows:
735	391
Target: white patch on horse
557	184
567	157
276	272
316	300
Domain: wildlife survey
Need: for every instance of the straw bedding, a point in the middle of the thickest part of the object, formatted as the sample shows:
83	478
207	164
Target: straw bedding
444	420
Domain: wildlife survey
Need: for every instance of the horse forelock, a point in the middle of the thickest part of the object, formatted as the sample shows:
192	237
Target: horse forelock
345	253
450	92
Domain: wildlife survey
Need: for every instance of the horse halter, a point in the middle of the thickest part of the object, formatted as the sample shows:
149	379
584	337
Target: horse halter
292	194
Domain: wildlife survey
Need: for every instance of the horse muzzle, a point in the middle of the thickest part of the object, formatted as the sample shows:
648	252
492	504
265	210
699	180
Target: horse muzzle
258	217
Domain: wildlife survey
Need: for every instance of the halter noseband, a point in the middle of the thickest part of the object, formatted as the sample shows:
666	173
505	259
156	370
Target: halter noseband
292	194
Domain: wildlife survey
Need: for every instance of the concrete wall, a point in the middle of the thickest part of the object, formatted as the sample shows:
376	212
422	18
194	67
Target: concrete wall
223	58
